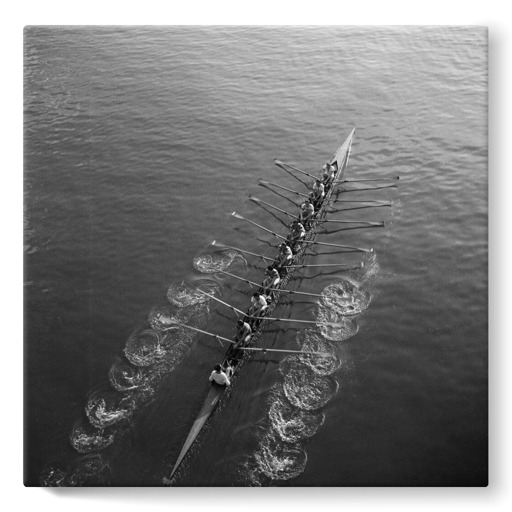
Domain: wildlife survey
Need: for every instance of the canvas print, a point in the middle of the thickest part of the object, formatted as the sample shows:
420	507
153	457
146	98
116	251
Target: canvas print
255	256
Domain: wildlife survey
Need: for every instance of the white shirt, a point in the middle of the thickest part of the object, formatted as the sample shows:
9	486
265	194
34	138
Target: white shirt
220	378
275	281
307	209
287	253
261	302
319	190
300	231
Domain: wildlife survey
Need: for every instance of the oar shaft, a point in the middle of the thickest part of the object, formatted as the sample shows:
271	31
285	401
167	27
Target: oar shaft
295	320
238	216
292	175
267	317
284	188
277	193
363	201
256	200
281	164
320	265
202	332
368	179
270	289
361	249
336	210
241	250
257	349
370	188
353	222
221	302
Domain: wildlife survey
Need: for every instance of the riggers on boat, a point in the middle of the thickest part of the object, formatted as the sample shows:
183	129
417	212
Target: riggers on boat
235	358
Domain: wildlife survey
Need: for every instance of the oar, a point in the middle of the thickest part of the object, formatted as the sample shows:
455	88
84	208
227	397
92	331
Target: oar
221	302
238	216
222	246
359	207
272	289
216	336
326	265
361	249
278	194
257	349
380	224
256	200
173	322
364	201
281	164
275	319
293	175
284	188
370	188
368	179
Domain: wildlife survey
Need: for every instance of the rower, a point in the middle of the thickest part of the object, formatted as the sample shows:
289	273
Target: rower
258	307
284	258
220	377
297	232
319	192
306	212
243	335
271	281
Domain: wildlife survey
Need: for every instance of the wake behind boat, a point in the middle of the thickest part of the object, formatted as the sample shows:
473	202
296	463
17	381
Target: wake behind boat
237	354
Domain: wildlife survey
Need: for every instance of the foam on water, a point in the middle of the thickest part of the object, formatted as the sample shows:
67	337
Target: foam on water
92	470
161	317
279	460
345	297
345	329
291	423
371	267
143	348
105	408
52	476
307	390
124	376
186	294
87	439
311	340
211	263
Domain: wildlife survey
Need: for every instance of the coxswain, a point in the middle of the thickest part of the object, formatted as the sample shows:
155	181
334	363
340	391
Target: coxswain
271	281
220	377
319	192
284	258
328	175
306	212
243	335
258	305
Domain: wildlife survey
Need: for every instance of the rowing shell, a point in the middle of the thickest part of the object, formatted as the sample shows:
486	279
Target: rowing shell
340	159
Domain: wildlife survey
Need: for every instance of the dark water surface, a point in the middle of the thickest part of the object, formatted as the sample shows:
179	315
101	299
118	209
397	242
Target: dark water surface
140	141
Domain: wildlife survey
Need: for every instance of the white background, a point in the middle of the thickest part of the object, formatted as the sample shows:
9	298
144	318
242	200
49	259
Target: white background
493	14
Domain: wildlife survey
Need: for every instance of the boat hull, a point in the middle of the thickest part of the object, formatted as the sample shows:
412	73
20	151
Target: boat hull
236	359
